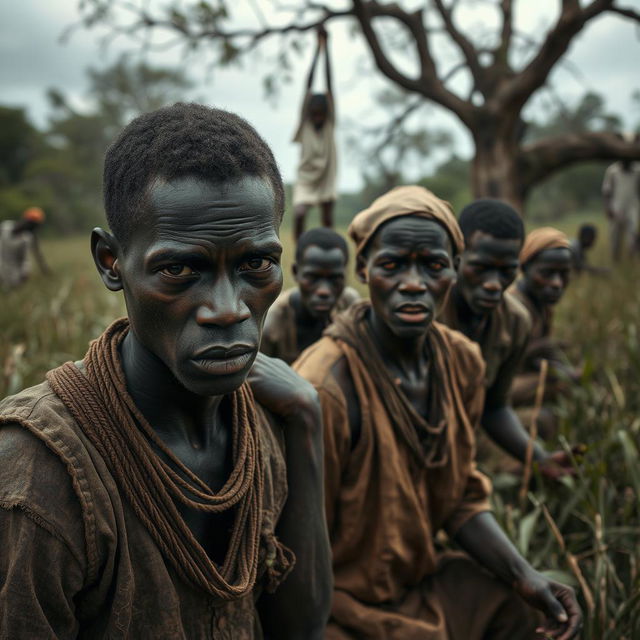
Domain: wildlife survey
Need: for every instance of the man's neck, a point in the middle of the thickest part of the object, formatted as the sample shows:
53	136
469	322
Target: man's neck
471	324
162	400
407	355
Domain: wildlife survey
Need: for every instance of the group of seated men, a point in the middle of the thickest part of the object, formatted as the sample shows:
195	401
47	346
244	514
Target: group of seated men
175	483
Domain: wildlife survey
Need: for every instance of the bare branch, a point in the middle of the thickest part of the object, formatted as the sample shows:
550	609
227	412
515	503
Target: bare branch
464	44
428	84
501	54
540	159
514	93
627	13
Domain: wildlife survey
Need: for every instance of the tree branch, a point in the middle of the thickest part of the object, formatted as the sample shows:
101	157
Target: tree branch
501	55
464	44
428	84
540	159
627	13
514	93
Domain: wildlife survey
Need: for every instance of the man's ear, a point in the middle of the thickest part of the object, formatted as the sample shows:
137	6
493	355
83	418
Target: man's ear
456	262
105	250
294	270
361	268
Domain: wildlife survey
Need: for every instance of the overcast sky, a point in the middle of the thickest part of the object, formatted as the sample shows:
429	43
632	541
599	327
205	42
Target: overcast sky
32	59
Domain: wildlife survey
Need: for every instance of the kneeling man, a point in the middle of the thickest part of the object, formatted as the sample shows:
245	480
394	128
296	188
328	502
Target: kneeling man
143	490
401	397
480	307
300	315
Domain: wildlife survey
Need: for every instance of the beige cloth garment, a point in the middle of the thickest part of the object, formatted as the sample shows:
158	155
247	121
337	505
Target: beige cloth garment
280	335
384	506
77	562
316	179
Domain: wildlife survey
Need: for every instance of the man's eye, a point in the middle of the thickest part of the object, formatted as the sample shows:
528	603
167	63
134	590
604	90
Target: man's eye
256	264
389	266
437	266
177	270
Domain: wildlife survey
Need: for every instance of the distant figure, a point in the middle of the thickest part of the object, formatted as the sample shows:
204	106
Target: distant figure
621	192
316	181
586	239
300	315
18	238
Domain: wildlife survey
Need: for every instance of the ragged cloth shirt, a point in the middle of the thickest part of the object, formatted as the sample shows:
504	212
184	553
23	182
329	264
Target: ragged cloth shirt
383	505
280	335
76	561
503	337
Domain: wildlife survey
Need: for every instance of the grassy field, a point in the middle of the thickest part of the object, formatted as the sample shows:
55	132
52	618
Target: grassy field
585	530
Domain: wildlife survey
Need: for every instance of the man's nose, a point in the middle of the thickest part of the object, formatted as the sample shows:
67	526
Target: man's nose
222	306
323	290
492	284
556	281
413	282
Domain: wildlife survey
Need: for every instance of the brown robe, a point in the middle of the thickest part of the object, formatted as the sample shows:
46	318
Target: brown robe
75	560
503	339
384	508
280	335
541	345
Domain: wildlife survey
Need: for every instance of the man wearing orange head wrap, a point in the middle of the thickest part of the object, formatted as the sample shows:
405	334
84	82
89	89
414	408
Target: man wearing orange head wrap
18	238
546	262
401	398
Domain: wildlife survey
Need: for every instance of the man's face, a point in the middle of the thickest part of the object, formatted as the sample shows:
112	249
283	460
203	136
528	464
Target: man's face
409	270
487	267
547	275
199	272
587	240
320	278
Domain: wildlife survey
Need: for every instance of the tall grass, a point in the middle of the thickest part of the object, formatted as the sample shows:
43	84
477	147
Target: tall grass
584	530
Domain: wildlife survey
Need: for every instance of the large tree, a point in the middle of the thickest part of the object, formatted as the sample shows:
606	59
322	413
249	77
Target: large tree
502	80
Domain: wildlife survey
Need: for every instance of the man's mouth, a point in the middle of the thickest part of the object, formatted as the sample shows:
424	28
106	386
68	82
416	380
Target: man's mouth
219	360
488	303
413	312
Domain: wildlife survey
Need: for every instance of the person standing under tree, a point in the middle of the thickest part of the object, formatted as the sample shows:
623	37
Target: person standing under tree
316	180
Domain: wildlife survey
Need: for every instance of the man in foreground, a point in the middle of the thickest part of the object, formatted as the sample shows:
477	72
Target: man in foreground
18	240
545	261
401	397
480	307
300	315
143	491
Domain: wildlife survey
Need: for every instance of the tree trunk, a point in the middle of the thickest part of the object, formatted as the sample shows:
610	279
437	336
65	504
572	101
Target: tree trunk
494	171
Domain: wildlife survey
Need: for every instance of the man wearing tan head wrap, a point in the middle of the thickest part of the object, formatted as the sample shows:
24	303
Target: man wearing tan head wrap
545	261
401	397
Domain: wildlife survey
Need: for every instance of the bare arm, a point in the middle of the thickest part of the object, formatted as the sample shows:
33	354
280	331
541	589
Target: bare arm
483	539
299	609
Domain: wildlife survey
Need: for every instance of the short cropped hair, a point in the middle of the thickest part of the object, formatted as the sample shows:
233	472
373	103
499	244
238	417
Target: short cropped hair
325	239
175	142
491	216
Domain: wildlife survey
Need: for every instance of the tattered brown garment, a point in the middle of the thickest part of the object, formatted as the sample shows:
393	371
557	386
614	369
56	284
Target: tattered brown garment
385	499
541	345
280	336
76	561
503	339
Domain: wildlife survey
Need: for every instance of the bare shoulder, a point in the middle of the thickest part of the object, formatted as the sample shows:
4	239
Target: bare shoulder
519	314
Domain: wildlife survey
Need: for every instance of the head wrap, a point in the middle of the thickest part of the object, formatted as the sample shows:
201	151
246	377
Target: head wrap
540	240
34	214
404	201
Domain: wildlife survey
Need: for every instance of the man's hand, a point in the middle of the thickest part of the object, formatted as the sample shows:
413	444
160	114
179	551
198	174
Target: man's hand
557	601
556	465
280	390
